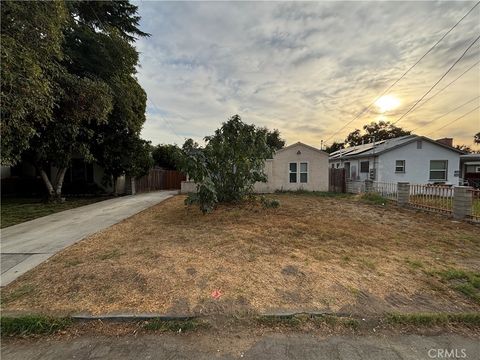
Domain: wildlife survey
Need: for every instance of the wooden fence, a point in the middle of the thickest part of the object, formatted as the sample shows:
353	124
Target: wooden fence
159	179
337	181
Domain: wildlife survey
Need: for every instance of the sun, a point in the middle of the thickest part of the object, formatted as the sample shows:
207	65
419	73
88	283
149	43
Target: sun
387	103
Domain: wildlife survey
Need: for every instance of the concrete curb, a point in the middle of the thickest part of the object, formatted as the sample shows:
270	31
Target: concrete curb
129	317
182	317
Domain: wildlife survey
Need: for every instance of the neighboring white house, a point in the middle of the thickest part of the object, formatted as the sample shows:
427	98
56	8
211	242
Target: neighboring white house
295	167
412	158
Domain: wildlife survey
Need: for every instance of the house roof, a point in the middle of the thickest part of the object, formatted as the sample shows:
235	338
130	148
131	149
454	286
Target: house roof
301	144
383	146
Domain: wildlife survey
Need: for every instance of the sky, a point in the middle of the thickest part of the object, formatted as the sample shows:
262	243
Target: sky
307	69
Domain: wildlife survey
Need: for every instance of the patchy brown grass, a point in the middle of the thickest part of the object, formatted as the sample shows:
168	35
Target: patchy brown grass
312	253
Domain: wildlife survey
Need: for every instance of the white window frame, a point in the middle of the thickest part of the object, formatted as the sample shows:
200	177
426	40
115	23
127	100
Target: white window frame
445	170
300	172
402	171
290	172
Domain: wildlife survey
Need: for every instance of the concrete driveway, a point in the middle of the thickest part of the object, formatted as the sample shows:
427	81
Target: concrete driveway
26	245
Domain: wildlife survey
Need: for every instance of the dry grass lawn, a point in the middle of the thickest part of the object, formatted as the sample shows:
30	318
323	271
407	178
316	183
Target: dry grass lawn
312	253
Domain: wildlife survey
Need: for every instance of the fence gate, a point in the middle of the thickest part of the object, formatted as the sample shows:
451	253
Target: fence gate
159	179
337	180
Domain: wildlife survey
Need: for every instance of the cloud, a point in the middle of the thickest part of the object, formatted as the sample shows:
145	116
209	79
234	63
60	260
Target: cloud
304	68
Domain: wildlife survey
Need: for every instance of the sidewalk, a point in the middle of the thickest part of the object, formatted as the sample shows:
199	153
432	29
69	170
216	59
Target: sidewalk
278	347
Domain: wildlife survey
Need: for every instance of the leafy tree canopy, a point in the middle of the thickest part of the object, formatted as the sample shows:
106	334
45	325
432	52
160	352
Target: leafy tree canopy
464	148
334	147
274	140
70	86
476	138
382	130
231	162
31	38
166	156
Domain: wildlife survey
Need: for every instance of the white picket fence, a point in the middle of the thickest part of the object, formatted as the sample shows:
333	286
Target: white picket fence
386	189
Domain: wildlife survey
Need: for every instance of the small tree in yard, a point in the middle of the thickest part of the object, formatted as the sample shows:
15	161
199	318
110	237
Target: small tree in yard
231	162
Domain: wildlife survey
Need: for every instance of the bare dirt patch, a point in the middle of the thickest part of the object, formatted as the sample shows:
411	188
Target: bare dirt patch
313	253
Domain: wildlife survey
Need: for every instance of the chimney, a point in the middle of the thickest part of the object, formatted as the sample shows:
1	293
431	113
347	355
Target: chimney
446	141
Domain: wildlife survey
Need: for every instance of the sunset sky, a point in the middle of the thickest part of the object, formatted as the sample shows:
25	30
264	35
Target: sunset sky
307	68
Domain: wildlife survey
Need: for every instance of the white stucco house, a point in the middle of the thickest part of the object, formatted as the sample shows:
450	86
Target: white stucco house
412	158
295	167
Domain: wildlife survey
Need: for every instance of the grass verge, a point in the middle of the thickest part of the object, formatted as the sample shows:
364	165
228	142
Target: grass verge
175	325
431	319
32	325
466	282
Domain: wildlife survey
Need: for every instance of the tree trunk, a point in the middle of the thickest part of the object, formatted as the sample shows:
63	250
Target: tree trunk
115	179
59	182
47	182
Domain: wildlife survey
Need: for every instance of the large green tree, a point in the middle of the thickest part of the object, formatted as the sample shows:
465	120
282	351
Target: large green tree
231	162
31	38
70	86
334	147
274	139
100	44
80	102
166	156
382	130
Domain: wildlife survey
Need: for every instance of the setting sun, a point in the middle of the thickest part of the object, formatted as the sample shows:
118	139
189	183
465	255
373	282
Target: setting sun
387	103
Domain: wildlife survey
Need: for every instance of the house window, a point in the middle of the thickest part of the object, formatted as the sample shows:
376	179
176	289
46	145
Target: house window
333	166
419	144
303	172
293	172
364	166
438	170
399	166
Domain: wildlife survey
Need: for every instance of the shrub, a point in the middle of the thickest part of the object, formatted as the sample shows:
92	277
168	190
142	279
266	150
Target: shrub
269	203
374	198
231	162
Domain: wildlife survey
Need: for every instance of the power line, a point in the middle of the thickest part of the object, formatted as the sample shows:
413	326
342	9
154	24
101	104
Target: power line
436	83
451	122
404	74
449	84
449	112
